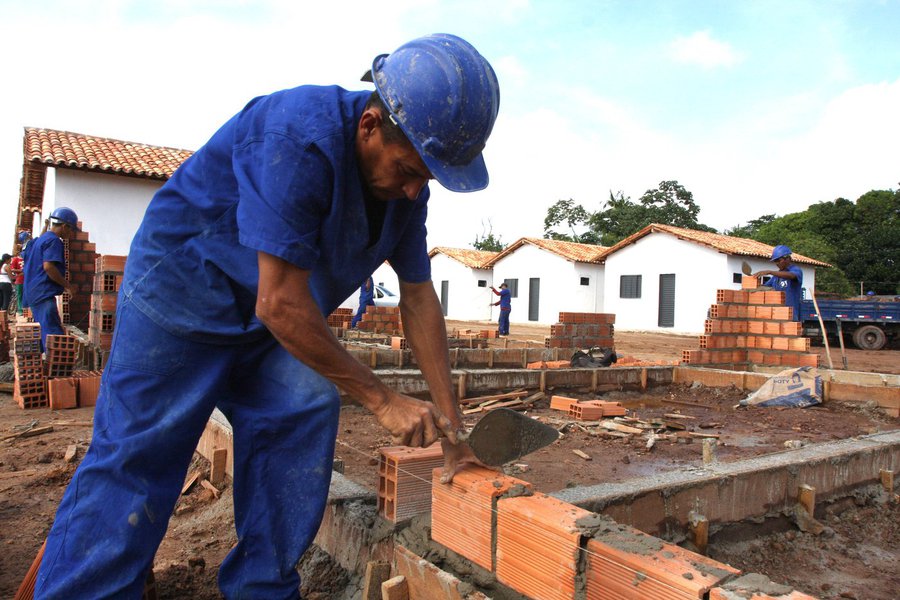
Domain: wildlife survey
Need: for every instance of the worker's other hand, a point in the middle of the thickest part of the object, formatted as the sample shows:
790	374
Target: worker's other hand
760	273
456	457
72	289
413	422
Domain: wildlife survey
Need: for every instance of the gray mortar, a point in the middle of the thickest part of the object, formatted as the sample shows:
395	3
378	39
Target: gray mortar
754	583
627	539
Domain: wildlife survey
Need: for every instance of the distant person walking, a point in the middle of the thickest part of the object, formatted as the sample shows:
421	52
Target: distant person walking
366	299
505	304
17	266
6	279
788	279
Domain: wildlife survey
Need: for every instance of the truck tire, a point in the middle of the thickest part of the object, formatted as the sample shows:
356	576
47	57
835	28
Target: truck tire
869	337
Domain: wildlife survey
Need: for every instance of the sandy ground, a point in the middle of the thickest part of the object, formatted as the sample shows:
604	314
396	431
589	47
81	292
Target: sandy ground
857	558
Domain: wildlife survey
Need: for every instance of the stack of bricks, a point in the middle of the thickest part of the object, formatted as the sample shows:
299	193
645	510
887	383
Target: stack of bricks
61	353
87	387
589	410
404	480
340	320
581	330
107	280
381	319
751	326
81	255
29	389
545	548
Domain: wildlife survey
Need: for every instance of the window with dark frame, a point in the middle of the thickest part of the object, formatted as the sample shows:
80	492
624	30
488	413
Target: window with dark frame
513	285
482	283
585	281
630	286
736	277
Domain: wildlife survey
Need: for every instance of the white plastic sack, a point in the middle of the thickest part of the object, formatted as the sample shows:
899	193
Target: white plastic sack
799	388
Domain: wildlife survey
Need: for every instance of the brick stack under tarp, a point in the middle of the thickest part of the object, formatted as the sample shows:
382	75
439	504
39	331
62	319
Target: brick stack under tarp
751	326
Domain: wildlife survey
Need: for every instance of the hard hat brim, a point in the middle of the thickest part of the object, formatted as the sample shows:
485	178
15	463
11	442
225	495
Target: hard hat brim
472	177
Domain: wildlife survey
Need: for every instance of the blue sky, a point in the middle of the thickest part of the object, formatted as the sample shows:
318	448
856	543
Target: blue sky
755	107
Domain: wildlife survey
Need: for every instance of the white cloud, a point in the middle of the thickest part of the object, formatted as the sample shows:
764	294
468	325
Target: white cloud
701	49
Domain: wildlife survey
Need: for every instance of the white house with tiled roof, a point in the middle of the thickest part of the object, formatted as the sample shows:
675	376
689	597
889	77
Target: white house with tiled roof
462	282
108	183
664	278
547	277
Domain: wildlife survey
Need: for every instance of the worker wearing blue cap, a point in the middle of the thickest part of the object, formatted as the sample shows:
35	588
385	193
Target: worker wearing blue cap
240	257
788	278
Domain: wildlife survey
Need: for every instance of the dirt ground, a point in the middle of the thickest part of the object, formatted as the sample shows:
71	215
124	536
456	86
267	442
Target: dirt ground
857	558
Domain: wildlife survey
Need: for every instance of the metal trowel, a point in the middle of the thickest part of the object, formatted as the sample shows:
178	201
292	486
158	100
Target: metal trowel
745	268
504	435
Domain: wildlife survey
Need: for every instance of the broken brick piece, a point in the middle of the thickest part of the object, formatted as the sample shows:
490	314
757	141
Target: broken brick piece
63	393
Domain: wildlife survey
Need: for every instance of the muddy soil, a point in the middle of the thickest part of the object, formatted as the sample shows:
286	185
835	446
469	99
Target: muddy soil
33	476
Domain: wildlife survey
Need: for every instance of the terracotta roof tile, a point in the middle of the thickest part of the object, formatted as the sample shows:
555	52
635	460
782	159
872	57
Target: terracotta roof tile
473	259
573	251
723	243
79	151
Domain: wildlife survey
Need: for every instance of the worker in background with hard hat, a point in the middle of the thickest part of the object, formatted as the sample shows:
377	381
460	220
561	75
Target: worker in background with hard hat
241	255
788	279
45	271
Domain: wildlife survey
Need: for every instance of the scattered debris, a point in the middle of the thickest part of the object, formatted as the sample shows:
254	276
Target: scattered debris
581	454
71	451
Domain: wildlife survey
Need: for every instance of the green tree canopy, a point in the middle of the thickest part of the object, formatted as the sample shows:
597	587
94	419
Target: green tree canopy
488	241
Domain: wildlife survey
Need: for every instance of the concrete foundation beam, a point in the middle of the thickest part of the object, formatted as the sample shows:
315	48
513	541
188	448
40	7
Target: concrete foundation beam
749	489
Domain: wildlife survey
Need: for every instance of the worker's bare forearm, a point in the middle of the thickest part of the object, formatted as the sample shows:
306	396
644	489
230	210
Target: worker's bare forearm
426	332
54	274
286	306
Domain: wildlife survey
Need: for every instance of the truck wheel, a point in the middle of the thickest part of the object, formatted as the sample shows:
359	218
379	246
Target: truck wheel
869	337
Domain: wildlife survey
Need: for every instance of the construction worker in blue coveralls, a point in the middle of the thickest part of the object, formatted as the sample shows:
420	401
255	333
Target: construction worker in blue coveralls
505	304
366	299
241	255
45	271
788	279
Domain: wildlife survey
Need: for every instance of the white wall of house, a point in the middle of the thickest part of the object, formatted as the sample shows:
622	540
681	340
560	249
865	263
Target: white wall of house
699	271
110	207
560	284
466	301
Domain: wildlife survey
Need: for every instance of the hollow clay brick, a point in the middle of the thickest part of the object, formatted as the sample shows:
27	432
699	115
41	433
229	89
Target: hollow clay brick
538	542
404	480
623	562
463	511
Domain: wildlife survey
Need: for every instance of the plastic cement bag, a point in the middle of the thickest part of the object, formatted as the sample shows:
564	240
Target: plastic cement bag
799	387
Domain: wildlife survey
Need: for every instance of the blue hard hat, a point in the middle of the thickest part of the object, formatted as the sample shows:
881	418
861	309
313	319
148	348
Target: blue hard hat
779	252
65	215
23	236
444	96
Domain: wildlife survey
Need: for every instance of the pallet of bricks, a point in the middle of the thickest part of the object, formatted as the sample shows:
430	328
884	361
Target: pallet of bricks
340	320
582	330
381	319
109	270
751	326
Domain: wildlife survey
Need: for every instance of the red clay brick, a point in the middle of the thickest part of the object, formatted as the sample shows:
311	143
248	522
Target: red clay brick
63	393
404	480
538	544
463	513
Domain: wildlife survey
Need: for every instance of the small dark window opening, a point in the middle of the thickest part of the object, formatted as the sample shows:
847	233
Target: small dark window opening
630	286
736	277
585	281
482	283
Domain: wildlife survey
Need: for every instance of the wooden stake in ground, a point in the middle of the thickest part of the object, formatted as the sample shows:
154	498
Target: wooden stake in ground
824	333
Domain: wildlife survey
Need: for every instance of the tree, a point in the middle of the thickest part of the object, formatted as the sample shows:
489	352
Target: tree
619	218
671	204
488	241
572	215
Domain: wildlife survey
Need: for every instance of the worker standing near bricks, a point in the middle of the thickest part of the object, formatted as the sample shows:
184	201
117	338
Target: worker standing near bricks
45	271
257	237
17	265
366	299
505	304
788	279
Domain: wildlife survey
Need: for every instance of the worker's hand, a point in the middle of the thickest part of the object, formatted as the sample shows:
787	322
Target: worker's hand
72	289
413	422
456	457
760	273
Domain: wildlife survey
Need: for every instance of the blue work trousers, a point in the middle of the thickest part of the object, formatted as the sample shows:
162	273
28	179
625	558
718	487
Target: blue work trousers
503	322
46	313
156	395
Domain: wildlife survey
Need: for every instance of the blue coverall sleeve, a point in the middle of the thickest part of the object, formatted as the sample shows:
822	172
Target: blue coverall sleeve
410	257
285	191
